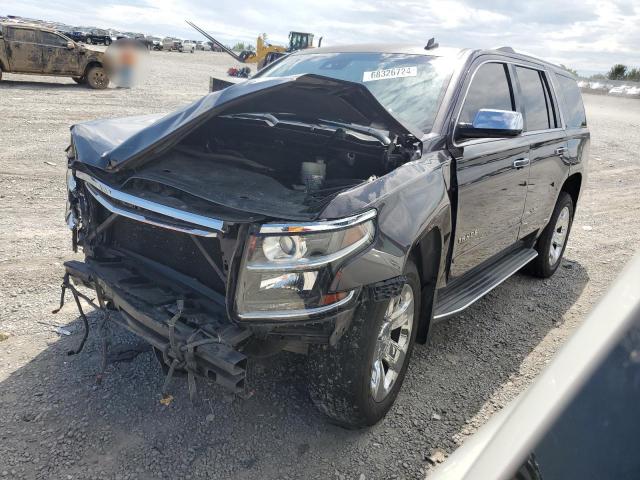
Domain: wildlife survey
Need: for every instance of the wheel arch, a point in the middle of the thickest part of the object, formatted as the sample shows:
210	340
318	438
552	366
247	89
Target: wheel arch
572	185
427	253
90	64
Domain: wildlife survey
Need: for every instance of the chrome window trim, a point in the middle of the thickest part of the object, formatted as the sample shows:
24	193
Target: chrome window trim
319	226
144	219
310	263
187	217
296	314
506	62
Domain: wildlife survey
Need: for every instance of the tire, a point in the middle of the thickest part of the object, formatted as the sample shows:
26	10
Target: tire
548	261
107	42
79	80
97	78
89	41
342	378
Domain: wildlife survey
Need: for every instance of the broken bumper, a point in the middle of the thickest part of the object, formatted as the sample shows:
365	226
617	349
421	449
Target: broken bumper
193	330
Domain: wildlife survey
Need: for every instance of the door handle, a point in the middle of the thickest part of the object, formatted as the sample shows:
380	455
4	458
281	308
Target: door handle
560	151
520	163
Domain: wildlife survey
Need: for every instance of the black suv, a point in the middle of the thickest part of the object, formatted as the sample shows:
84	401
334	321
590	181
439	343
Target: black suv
94	37
335	205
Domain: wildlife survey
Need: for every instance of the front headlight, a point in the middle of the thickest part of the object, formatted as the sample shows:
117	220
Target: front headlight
287	269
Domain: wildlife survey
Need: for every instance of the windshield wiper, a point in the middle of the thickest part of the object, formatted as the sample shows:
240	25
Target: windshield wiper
374	132
271	120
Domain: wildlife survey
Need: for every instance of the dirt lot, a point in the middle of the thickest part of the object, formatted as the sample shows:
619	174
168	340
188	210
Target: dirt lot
56	423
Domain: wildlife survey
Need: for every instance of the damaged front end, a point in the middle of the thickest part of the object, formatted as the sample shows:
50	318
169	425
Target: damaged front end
204	231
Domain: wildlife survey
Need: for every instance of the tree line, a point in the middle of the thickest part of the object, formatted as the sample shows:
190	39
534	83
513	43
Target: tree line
619	72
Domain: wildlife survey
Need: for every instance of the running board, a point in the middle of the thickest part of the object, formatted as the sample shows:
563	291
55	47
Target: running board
466	290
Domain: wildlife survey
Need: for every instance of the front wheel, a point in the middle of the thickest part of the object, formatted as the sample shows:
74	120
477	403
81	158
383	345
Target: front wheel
89	41
356	383
553	240
97	78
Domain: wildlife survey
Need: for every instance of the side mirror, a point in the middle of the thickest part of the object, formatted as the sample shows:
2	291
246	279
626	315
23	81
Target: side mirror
71	45
492	124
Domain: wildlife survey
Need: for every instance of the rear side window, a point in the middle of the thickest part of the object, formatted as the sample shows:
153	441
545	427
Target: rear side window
23	35
536	101
574	114
490	88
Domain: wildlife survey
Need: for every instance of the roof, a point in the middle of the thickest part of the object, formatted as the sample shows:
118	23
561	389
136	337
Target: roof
29	25
409	49
412	49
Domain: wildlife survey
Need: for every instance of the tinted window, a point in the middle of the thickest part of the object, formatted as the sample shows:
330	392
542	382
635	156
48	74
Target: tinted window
573	106
23	35
53	39
534	99
490	88
552	108
408	86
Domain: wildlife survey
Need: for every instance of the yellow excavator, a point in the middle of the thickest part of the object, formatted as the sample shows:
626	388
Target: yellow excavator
265	52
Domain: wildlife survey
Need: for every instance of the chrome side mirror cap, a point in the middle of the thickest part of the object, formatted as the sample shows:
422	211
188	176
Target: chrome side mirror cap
489	123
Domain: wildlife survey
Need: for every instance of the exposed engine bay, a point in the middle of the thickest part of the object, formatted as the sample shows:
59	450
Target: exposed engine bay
261	164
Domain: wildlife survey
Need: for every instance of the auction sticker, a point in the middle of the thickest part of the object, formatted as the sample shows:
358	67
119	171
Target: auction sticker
396	72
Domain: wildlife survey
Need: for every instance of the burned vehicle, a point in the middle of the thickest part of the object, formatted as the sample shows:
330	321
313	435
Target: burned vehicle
335	205
37	50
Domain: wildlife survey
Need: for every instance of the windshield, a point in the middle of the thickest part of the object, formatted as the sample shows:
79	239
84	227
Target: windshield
408	86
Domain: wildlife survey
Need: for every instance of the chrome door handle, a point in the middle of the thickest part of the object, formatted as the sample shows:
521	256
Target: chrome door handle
520	163
560	151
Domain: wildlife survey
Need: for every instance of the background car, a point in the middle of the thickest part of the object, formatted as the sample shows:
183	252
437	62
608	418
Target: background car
188	46
33	49
171	44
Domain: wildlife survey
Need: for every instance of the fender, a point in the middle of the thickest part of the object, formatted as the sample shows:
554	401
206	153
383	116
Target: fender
411	201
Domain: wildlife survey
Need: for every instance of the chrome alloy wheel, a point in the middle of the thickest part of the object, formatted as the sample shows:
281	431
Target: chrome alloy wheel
559	236
392	344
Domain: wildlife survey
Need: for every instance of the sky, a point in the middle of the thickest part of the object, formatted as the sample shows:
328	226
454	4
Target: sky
589	36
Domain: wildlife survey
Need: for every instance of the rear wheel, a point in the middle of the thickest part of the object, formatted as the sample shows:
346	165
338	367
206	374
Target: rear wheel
553	240
97	78
356	383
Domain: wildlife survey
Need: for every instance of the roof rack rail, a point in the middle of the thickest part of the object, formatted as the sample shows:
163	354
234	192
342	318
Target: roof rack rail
506	49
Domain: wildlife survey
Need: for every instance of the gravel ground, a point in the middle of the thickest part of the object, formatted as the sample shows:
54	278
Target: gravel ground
56	423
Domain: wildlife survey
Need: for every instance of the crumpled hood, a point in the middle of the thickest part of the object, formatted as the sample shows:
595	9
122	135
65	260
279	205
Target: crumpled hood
114	144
